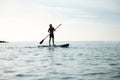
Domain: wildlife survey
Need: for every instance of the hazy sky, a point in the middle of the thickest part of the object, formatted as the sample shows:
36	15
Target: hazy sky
82	20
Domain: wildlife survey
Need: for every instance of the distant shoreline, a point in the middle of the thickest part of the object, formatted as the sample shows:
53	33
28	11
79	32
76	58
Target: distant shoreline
3	42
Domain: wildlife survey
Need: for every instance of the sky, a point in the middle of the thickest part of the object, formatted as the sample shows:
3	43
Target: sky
82	20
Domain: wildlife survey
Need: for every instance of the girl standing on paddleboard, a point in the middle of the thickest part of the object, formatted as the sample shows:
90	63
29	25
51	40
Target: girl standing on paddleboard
51	31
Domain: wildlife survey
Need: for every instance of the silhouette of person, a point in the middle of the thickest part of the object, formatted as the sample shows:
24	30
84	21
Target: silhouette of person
51	35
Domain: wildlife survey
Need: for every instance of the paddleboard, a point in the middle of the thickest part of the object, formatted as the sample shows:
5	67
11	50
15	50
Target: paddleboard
62	45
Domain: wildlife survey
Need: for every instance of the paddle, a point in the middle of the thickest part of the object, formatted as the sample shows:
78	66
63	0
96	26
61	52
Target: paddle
48	34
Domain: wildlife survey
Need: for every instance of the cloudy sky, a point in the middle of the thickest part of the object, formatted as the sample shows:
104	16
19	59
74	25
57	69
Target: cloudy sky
82	20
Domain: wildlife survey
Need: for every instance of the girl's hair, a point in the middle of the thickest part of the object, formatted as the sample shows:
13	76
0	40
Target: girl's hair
50	25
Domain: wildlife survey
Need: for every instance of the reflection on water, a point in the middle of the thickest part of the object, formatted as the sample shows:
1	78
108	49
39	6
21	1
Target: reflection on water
81	61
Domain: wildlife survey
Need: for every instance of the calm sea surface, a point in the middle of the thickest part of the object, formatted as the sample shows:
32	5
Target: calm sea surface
81	61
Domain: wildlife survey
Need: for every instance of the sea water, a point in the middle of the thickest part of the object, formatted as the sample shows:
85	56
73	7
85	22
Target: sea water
83	60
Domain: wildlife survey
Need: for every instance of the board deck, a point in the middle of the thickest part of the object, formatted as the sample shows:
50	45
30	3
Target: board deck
63	45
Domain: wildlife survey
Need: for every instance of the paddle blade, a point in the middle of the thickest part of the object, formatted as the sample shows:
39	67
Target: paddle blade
41	41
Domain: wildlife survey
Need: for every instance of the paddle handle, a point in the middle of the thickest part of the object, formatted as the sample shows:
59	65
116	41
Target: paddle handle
58	26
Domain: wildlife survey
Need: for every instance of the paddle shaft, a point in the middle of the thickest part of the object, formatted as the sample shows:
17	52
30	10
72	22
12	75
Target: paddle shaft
49	34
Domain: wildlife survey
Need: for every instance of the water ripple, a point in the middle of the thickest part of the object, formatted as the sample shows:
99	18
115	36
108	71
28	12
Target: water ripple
81	61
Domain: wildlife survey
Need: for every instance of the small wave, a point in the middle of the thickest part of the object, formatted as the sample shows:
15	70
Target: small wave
117	76
9	71
25	75
58	64
94	74
68	78
4	79
30	47
113	64
22	75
